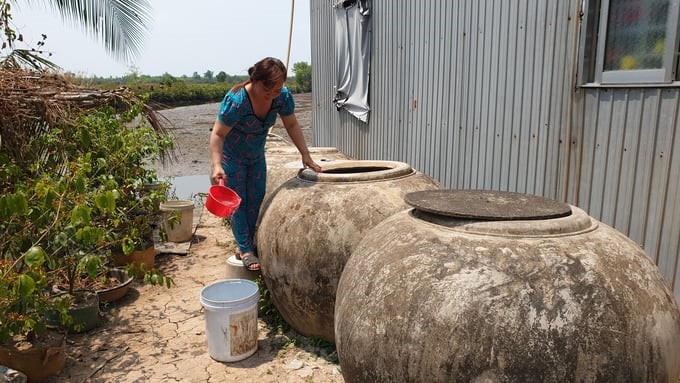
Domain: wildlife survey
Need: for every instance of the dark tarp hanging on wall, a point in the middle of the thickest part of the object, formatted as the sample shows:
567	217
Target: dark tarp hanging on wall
353	55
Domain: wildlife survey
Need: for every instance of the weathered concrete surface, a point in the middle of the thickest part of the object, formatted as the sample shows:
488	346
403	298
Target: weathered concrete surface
284	162
311	227
561	300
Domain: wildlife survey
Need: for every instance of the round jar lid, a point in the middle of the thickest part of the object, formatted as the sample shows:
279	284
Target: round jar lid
487	205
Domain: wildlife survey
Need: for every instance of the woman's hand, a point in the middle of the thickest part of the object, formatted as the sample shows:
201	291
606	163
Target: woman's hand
308	162
217	174
292	126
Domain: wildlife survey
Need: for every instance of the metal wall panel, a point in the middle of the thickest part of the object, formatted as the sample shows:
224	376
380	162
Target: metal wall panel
629	169
481	94
470	92
323	72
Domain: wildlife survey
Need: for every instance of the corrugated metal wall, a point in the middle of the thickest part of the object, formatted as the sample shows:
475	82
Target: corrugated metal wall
481	94
458	91
626	167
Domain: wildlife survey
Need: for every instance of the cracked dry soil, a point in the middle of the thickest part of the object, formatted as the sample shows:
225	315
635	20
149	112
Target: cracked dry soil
156	334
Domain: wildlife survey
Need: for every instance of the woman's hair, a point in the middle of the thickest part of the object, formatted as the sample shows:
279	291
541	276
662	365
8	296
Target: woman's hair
268	71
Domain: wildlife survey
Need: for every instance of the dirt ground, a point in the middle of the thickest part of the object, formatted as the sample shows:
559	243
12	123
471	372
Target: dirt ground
156	334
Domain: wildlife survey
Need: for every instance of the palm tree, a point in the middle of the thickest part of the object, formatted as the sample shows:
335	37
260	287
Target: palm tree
121	25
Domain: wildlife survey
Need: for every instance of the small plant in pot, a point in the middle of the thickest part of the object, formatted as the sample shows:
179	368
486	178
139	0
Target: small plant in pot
133	247
152	193
78	307
93	274
25	339
52	215
119	164
71	250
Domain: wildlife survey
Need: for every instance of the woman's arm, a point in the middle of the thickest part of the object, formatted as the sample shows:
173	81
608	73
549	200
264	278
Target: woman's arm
292	126
219	131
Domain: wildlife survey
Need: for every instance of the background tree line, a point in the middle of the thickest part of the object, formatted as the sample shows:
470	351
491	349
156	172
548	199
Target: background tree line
167	90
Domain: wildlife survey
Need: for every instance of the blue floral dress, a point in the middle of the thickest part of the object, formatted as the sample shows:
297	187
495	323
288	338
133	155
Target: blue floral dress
243	158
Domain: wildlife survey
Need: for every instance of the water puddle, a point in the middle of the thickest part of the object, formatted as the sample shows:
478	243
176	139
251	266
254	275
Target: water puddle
188	187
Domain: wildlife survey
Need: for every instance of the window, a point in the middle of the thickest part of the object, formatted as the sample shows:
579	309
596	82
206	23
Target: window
629	42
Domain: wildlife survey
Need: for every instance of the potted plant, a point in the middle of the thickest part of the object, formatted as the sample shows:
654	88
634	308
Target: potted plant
80	305
131	238
154	192
25	340
70	241
69	212
71	188
121	167
134	250
108	157
112	285
134	244
33	213
93	274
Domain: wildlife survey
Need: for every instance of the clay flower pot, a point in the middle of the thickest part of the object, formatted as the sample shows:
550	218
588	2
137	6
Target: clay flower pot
84	311
114	293
38	360
141	260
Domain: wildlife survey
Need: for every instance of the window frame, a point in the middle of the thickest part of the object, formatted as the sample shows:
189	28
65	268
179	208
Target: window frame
595	14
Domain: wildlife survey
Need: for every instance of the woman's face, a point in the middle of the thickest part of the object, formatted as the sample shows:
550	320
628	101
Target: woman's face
272	92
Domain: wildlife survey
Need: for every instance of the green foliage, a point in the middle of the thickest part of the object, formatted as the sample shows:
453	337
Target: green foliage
118	158
155	278
181	93
78	197
303	77
268	311
168	79
24	299
167	90
170	91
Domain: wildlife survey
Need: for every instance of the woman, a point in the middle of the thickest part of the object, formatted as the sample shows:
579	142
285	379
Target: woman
237	141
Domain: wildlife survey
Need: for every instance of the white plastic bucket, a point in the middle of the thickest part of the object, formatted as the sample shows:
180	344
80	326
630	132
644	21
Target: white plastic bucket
182	230
231	318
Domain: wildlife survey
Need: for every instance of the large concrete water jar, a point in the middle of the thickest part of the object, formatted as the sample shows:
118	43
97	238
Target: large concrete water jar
284	163
310	229
480	286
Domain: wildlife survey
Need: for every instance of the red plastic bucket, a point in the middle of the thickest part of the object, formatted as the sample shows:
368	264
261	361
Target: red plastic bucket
221	200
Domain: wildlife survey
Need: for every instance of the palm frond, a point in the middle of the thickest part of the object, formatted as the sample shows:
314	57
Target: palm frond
121	25
24	58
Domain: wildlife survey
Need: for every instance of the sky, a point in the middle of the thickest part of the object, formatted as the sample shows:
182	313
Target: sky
221	35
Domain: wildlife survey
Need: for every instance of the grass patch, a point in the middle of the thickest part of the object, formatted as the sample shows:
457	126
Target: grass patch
287	336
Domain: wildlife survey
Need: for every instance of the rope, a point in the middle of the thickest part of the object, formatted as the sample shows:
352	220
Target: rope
278	137
290	39
290	32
